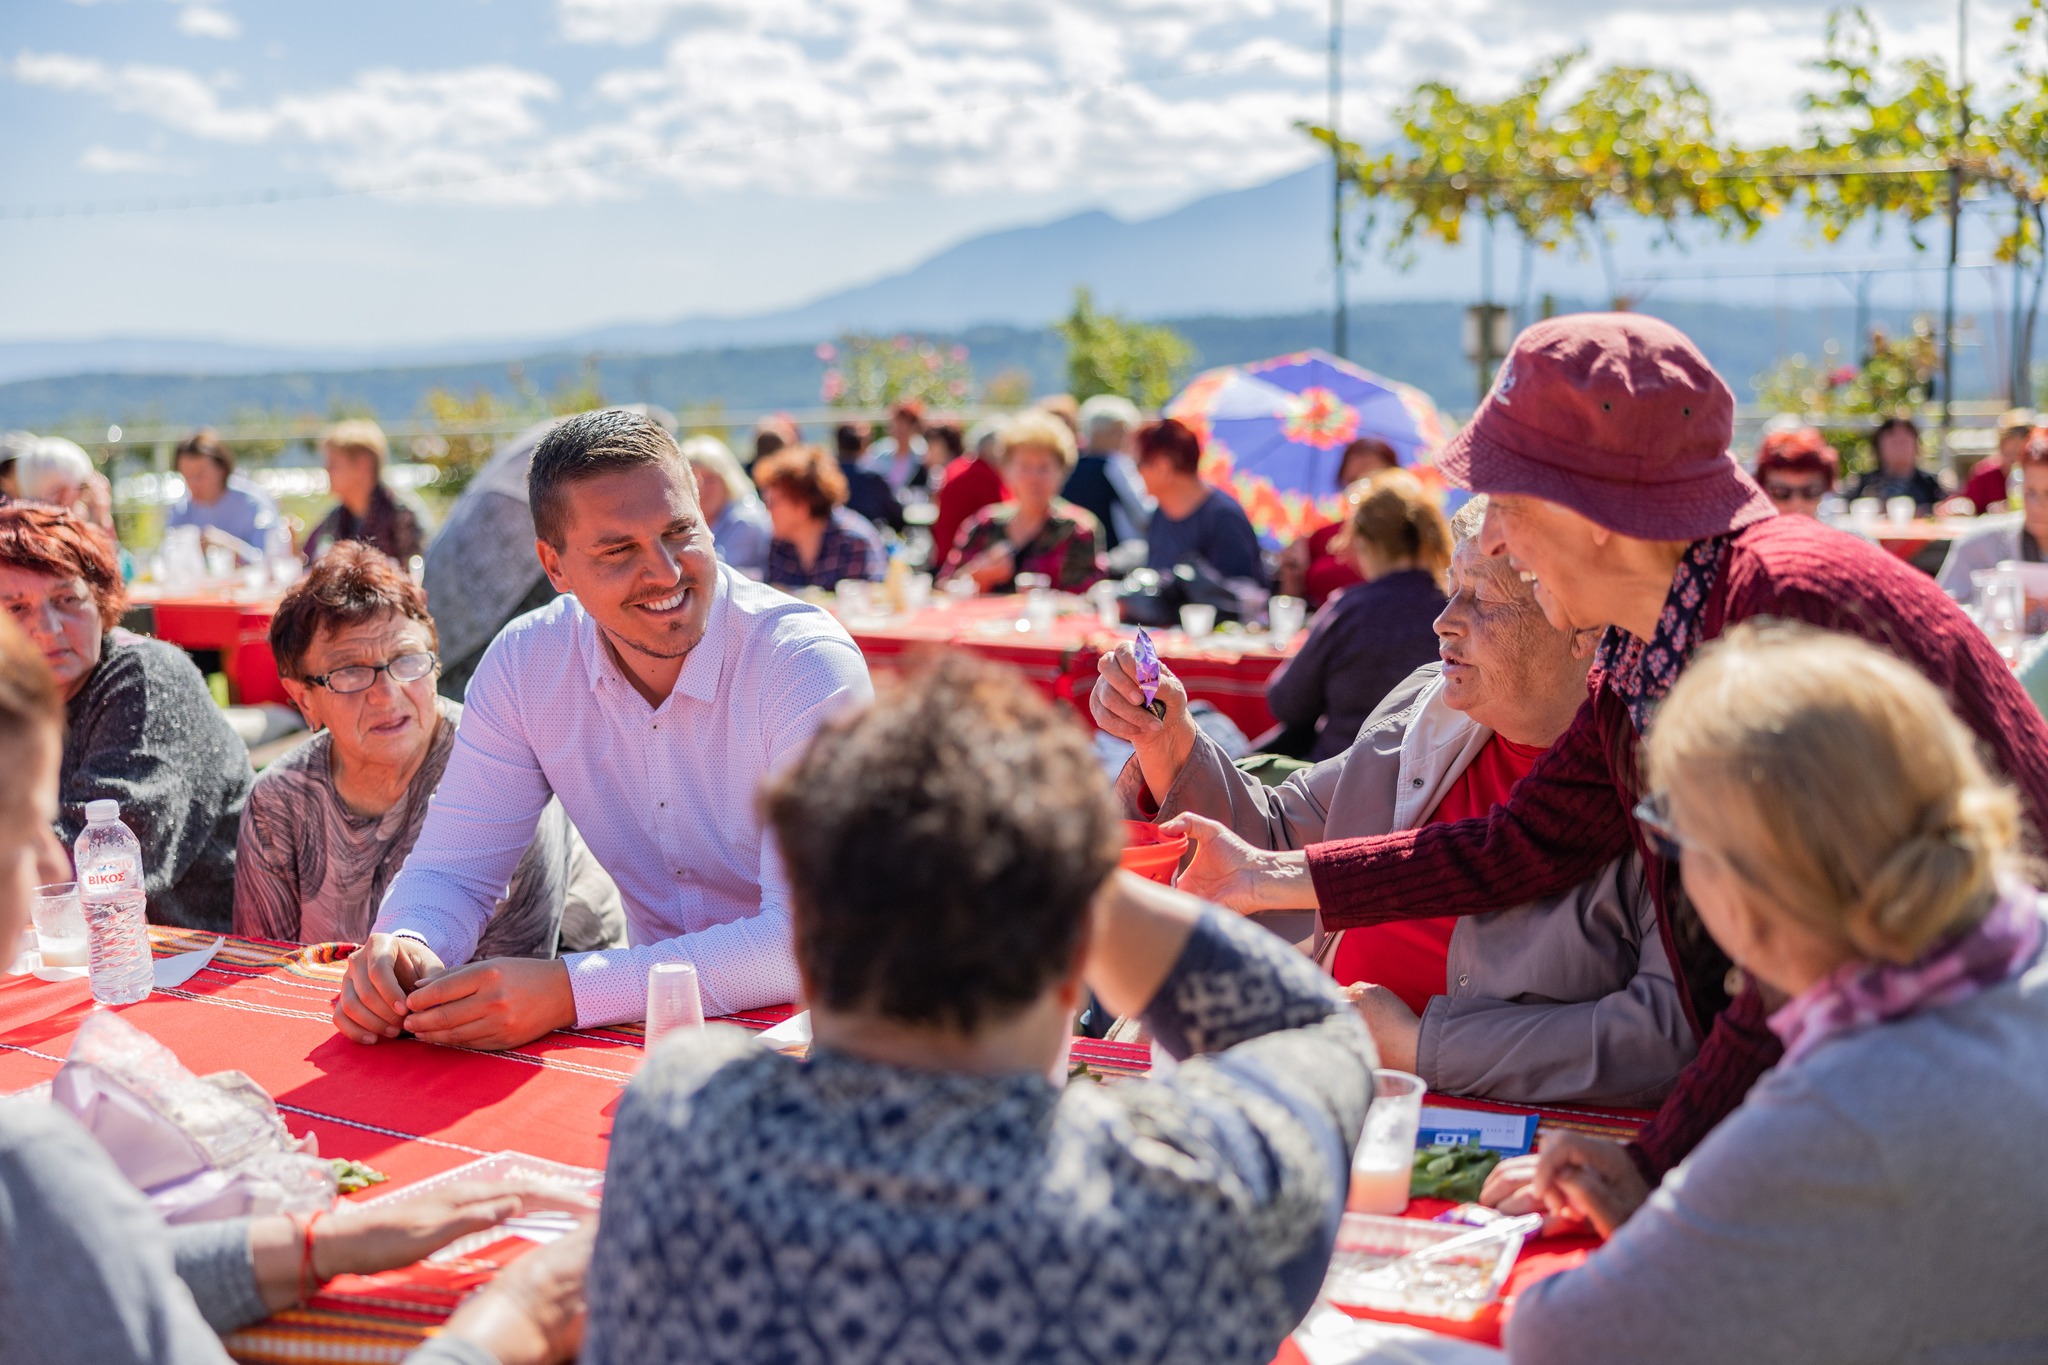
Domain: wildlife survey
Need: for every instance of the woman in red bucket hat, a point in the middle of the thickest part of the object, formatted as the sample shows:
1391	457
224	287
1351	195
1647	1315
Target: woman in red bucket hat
1604	451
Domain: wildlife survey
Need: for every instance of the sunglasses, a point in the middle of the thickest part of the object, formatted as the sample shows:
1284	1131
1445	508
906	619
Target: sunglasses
1795	492
1653	813
405	668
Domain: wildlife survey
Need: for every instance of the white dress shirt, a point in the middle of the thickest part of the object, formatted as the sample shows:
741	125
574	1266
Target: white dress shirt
665	796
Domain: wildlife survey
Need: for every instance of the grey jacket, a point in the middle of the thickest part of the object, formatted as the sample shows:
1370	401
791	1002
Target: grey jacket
1879	1200
1564	1000
1992	541
89	1275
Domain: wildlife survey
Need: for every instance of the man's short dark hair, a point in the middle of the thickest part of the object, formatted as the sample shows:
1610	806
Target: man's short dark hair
849	440
943	847
606	441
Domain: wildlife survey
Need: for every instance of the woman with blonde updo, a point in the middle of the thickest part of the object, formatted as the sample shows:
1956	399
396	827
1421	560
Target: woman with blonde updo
1373	635
1877	1195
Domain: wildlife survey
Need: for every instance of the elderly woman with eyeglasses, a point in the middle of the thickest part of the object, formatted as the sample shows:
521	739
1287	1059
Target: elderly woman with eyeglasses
328	825
140	726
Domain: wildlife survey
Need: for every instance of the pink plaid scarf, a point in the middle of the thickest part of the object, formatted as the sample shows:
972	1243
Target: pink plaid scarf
1858	994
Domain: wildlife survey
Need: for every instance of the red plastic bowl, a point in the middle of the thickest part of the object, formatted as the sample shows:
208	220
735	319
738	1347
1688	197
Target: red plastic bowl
1150	854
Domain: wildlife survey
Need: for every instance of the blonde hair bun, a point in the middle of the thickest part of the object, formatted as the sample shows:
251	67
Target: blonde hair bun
1842	786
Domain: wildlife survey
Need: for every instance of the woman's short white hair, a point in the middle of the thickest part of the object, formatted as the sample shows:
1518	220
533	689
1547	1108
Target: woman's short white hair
984	438
711	454
53	466
1105	413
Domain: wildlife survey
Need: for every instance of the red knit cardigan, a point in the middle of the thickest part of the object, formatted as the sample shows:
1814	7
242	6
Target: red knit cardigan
1571	815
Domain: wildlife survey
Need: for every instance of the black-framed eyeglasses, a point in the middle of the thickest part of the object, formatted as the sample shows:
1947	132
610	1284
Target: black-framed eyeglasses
1653	813
361	677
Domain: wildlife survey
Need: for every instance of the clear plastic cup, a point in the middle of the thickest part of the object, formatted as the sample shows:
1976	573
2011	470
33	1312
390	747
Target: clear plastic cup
1900	511
1108	611
1385	1157
60	925
1197	619
1285	617
673	1000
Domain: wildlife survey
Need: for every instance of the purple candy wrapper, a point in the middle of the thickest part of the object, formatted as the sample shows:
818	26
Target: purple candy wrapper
1148	674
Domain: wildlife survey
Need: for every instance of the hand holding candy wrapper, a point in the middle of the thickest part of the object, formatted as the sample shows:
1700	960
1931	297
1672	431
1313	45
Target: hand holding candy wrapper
1148	674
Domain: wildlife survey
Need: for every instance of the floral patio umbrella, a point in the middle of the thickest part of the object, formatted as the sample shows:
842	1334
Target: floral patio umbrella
1274	431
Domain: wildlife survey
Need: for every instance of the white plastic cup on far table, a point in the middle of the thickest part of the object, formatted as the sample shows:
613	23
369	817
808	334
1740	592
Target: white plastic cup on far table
1197	619
1900	511
1108	612
2000	602
917	592
673	1000
1039	608
1385	1158
1865	514
60	925
1285	617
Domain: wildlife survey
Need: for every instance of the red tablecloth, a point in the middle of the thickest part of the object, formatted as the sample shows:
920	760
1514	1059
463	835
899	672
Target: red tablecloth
1061	661
413	1109
239	628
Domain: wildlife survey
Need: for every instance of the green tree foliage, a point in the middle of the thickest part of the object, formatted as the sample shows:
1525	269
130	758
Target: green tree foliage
466	428
873	372
1109	353
1634	140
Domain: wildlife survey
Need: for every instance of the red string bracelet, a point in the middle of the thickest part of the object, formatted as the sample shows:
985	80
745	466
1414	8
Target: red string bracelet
309	1283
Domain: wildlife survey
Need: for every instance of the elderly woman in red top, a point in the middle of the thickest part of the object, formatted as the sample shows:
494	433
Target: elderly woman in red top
1604	449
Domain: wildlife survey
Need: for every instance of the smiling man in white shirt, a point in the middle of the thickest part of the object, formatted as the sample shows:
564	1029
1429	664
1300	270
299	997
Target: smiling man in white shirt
652	698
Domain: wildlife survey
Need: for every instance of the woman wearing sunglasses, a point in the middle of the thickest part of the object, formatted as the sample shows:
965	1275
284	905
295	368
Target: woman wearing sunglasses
140	726
1873	1197
328	825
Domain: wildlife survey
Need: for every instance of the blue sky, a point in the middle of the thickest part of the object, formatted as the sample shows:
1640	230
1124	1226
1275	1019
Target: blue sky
506	168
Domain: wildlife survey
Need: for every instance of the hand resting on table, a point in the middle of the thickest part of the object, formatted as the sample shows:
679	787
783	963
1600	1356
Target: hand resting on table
398	984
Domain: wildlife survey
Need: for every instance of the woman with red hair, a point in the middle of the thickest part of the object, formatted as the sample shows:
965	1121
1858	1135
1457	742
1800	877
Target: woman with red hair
140	726
1195	522
1797	468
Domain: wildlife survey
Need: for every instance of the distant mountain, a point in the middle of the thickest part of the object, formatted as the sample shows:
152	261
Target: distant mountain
1413	341
1259	252
1255	252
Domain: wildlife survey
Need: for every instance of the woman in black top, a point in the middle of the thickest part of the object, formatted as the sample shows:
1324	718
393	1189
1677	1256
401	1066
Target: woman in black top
139	725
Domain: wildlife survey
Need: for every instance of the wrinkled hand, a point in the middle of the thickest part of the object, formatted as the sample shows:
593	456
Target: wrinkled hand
1396	1030
498	1003
1589	1177
381	974
993	567
533	1312
1118	705
1227	870
361	1239
1507	1186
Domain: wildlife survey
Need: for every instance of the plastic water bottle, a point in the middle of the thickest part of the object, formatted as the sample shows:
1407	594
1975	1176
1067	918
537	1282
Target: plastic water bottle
109	864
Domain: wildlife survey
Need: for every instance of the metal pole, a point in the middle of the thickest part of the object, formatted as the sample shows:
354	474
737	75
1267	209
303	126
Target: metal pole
2016	395
1340	324
1955	225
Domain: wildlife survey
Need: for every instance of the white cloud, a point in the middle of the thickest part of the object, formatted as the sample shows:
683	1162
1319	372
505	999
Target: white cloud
1103	98
208	21
118	161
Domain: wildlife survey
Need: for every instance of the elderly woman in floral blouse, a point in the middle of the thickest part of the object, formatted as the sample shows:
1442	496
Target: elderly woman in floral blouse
1037	531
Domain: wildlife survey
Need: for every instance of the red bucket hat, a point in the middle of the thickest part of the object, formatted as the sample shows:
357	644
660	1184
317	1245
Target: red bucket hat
1618	417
